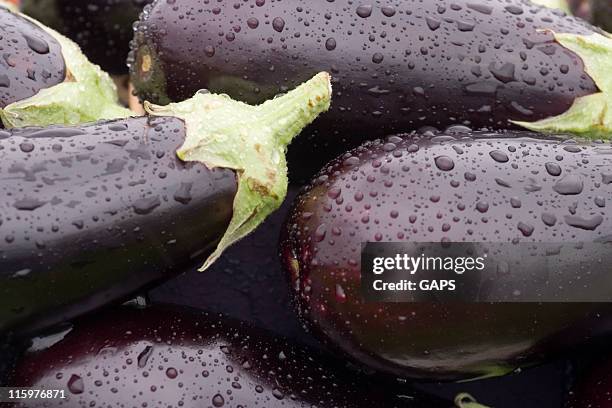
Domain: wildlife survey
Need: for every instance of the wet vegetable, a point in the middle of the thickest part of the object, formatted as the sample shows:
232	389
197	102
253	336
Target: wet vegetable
166	356
510	187
90	214
397	65
102	28
45	79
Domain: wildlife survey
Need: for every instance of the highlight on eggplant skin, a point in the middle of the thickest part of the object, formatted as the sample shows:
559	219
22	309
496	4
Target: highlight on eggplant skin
32	61
102	28
166	356
451	186
91	214
397	66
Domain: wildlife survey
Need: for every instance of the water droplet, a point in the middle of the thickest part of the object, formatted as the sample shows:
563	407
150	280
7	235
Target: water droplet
499	156
75	384
28	204
444	163
526	229
183	194
37	45
364	11
144	355
320	233
432	23
146	205
278	24
330	44
209	50
388	11
589	224
482	206
253	23
26	147
171	373
340	294
553	169
569	185
549	219
218	400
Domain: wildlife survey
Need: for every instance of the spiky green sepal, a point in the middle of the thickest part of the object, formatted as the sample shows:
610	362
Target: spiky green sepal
252	141
88	94
590	116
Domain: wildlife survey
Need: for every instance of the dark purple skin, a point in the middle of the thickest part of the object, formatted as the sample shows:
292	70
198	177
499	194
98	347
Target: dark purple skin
102	28
404	65
31	59
91	214
400	190
167	356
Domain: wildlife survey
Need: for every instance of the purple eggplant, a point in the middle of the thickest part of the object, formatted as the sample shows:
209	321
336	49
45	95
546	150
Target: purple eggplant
164	356
91	214
449	187
46	80
102	28
397	65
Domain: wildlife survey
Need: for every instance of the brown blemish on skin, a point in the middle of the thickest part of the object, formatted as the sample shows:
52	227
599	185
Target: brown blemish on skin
145	64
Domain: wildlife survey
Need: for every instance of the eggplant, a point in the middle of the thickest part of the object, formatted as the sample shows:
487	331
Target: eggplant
102	28
397	65
448	187
167	356
91	214
45	79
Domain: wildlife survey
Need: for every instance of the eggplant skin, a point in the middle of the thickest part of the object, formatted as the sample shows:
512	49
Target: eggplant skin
166	356
31	59
403	65
91	214
102	28
446	187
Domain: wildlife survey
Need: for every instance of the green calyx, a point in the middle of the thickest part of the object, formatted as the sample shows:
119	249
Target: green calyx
252	141
87	94
555	4
465	400
590	116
